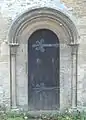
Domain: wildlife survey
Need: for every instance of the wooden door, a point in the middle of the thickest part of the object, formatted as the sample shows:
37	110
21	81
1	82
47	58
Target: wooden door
43	70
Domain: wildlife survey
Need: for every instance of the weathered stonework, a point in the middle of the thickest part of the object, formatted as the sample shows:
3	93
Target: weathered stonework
79	10
12	69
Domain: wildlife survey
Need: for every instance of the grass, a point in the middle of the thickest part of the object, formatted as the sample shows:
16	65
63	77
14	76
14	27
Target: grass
18	118
66	115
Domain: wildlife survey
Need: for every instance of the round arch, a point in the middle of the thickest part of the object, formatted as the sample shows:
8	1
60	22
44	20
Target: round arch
39	14
64	28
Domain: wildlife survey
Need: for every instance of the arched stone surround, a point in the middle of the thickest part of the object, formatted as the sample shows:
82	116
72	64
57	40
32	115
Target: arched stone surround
21	30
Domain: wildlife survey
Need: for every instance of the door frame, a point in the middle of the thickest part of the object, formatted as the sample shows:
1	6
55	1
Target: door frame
48	18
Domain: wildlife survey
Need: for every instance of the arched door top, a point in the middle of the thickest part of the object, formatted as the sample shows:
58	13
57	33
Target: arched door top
43	14
43	71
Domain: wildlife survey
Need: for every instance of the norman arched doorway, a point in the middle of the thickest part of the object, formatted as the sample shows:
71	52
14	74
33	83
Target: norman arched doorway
43	70
27	26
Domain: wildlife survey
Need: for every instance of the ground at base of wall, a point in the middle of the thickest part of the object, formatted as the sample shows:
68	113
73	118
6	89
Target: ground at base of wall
67	115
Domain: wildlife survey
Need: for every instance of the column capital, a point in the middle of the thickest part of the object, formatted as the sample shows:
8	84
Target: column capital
73	44
13	44
74	47
13	47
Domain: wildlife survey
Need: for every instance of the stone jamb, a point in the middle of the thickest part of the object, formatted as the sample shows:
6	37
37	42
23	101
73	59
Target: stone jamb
74	55
13	48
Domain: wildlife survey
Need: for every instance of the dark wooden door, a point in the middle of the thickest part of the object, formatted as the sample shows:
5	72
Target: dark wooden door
43	70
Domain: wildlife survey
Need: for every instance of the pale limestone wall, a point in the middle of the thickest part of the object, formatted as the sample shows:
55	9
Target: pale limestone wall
79	10
4	74
4	61
77	7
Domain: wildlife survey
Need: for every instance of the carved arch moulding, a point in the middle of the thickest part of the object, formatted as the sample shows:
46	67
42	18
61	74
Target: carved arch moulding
23	27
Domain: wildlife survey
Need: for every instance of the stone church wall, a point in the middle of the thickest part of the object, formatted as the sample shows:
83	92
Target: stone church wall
79	11
4	63
77	7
